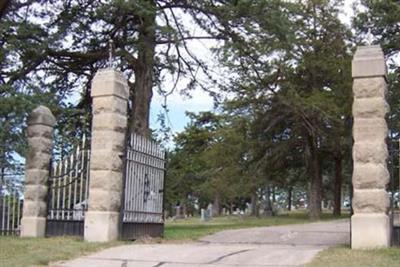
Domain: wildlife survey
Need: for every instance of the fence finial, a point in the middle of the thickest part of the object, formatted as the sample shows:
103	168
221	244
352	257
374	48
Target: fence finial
111	54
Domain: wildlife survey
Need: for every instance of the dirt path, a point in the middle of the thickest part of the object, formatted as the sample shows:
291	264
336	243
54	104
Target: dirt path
291	245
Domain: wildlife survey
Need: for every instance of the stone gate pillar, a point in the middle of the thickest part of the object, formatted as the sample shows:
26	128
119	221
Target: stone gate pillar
40	144
370	225
109	123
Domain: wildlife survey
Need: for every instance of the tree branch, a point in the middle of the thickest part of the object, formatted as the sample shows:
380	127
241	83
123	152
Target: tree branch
185	38
3	6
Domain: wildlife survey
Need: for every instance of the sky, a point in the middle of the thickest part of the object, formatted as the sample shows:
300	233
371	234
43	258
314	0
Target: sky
200	100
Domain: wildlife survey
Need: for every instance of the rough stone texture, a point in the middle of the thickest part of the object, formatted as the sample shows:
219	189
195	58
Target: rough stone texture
105	200
370	230
370	225
101	226
35	130
370	152
35	192
369	87
107	176
39	133
108	82
115	105
368	61
110	94
373	107
106	159
109	121
370	201
370	129
33	226
370	176
41	116
36	176
39	150
33	208
109	140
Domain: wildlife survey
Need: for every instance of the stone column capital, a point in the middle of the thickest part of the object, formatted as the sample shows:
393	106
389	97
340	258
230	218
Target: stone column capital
41	115
109	82
368	61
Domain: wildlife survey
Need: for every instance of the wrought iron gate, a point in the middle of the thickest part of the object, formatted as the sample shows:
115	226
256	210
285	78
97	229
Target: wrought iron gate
68	193
394	168
11	200
143	197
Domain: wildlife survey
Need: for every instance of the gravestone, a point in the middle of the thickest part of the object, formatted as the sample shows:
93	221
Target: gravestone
210	210
205	215
224	212
370	226
178	212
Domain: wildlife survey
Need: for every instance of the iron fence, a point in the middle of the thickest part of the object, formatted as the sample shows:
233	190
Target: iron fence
11	200
143	195
68	192
394	168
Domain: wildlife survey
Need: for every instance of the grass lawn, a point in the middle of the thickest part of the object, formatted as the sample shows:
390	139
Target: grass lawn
20	252
345	257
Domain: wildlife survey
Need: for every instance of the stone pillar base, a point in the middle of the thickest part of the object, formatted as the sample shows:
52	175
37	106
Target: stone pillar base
370	230
33	226
101	226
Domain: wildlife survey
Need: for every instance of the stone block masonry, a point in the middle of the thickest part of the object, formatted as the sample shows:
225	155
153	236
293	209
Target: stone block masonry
109	124
370	227
40	143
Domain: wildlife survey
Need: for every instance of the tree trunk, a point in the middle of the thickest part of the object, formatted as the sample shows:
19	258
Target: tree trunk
314	204
144	76
289	199
3	6
254	209
273	195
216	210
351	198
337	190
2	181
268	211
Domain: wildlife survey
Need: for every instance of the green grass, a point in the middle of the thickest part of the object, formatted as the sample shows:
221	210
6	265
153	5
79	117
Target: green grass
193	228
345	257
21	252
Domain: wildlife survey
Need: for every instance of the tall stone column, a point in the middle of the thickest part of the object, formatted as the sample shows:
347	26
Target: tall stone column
109	124
370	225
40	143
